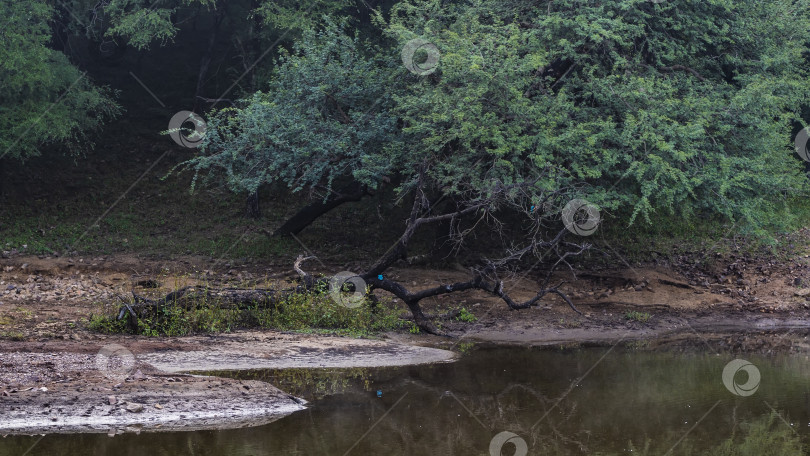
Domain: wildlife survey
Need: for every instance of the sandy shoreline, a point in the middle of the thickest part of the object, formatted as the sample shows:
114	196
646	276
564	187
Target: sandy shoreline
61	387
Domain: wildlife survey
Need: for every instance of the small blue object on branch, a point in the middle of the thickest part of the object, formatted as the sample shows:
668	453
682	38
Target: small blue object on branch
379	277
379	393
532	209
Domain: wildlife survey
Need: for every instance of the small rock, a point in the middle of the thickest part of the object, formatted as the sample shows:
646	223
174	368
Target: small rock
112	400
158	406
802	292
134	407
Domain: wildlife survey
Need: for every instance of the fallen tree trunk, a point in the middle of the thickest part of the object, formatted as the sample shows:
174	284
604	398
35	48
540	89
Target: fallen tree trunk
238	298
192	297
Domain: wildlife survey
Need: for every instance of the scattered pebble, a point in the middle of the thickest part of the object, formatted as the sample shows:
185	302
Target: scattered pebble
134	407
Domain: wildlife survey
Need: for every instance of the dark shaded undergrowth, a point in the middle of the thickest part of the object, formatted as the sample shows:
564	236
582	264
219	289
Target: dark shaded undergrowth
305	312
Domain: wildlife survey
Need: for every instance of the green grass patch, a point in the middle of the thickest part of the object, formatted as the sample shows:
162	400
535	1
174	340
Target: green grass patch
642	317
306	312
466	316
12	335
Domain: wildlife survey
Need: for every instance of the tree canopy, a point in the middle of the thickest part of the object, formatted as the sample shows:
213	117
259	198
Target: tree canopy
44	98
637	106
505	117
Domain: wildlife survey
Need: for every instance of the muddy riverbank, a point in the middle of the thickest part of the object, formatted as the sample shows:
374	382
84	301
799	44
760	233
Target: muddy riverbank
53	379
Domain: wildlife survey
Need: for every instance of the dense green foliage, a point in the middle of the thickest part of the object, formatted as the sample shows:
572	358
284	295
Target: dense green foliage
654	110
44	99
142	23
336	124
685	107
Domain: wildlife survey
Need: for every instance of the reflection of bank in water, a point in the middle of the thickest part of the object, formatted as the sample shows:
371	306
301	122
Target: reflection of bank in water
310	384
559	401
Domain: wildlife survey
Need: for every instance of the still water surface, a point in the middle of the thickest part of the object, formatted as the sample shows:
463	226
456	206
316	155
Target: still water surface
627	401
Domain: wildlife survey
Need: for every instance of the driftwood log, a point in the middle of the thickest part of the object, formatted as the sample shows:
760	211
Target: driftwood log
238	298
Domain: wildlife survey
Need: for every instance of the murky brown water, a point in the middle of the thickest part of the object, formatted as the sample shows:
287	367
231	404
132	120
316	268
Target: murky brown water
599	400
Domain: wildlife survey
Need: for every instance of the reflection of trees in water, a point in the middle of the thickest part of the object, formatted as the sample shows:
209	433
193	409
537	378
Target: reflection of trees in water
767	434
432	421
544	422
428	421
489	395
314	384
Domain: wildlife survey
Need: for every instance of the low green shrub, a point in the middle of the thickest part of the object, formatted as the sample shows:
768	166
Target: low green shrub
308	312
